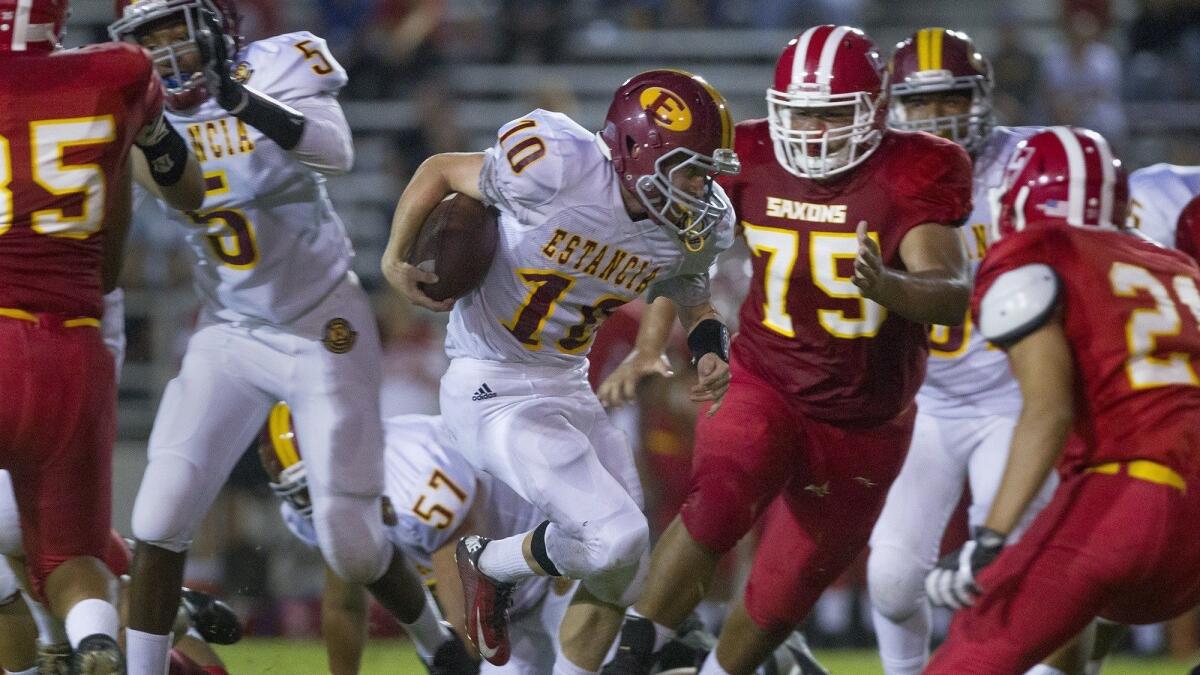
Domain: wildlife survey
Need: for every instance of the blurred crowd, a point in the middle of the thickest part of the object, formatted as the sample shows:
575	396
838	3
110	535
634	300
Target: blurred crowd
1099	67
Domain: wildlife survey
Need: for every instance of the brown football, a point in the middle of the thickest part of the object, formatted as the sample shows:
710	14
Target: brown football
457	243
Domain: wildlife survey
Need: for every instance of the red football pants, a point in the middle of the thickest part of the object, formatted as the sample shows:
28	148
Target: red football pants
832	482
1121	548
57	428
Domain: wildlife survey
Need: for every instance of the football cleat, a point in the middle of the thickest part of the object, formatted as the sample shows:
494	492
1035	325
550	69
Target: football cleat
802	660
452	658
54	659
487	602
98	655
635	652
212	618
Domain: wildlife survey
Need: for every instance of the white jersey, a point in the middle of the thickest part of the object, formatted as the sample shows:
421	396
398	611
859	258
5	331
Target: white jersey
569	254
280	248
432	488
965	377
1157	195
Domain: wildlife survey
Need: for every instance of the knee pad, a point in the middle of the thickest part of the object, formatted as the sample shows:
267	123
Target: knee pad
350	534
621	587
165	513
721	507
9	589
896	581
611	544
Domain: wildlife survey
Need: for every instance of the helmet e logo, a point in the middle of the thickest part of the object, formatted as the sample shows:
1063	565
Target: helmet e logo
668	110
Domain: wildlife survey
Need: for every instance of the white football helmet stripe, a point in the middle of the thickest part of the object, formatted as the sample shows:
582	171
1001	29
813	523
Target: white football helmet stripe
801	55
829	54
1110	180
20	29
1077	174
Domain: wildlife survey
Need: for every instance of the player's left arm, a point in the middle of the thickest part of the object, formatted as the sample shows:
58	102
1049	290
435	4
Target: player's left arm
1044	369
343	623
933	287
708	340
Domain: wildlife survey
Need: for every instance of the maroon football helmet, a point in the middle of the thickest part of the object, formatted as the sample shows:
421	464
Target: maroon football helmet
827	67
936	60
31	25
669	124
135	18
1062	176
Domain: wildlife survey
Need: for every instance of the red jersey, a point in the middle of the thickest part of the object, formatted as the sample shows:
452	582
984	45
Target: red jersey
804	326
66	124
1132	317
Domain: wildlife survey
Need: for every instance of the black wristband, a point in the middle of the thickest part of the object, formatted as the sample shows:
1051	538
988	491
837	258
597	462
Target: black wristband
276	120
538	548
167	156
708	336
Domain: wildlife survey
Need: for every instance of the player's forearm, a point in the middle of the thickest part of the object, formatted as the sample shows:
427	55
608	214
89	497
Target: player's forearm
1036	445
1042	364
926	297
163	165
437	177
654	331
326	144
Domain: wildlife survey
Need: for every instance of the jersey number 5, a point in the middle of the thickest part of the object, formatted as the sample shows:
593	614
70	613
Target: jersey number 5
52	142
782	248
1145	369
237	247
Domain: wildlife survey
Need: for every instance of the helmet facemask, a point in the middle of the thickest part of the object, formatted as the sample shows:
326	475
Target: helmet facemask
142	18
810	153
968	129
292	487
691	216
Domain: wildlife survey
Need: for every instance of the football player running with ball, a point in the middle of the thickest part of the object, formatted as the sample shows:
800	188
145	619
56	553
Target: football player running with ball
969	403
852	227
587	223
282	317
1102	331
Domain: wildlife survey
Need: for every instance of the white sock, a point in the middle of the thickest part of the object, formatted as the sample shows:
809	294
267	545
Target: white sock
50	629
904	646
662	634
1043	669
1093	667
146	653
427	632
711	667
563	666
835	610
504	560
31	671
89	617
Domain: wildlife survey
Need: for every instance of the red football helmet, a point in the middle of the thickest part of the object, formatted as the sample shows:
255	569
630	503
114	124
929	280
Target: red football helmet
1062	176
665	126
935	60
823	68
279	452
31	25
135	18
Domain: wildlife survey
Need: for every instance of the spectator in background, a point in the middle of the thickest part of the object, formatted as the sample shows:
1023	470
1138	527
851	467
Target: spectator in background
1164	43
1081	78
386	46
1016	72
532	30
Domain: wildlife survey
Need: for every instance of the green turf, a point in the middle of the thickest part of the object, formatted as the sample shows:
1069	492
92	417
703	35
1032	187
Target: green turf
396	657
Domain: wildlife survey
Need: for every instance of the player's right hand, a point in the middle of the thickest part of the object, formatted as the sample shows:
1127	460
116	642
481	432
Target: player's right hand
621	387
406	278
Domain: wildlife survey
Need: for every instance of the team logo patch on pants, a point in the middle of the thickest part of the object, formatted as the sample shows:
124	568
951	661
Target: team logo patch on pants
339	336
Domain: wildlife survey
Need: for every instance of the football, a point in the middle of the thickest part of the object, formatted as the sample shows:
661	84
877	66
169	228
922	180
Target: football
457	242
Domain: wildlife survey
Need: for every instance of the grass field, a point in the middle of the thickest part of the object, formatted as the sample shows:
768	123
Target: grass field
251	657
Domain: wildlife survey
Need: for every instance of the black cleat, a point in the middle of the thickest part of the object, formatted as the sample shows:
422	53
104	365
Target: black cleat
487	602
802	660
213	619
452	658
98	655
635	652
54	659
